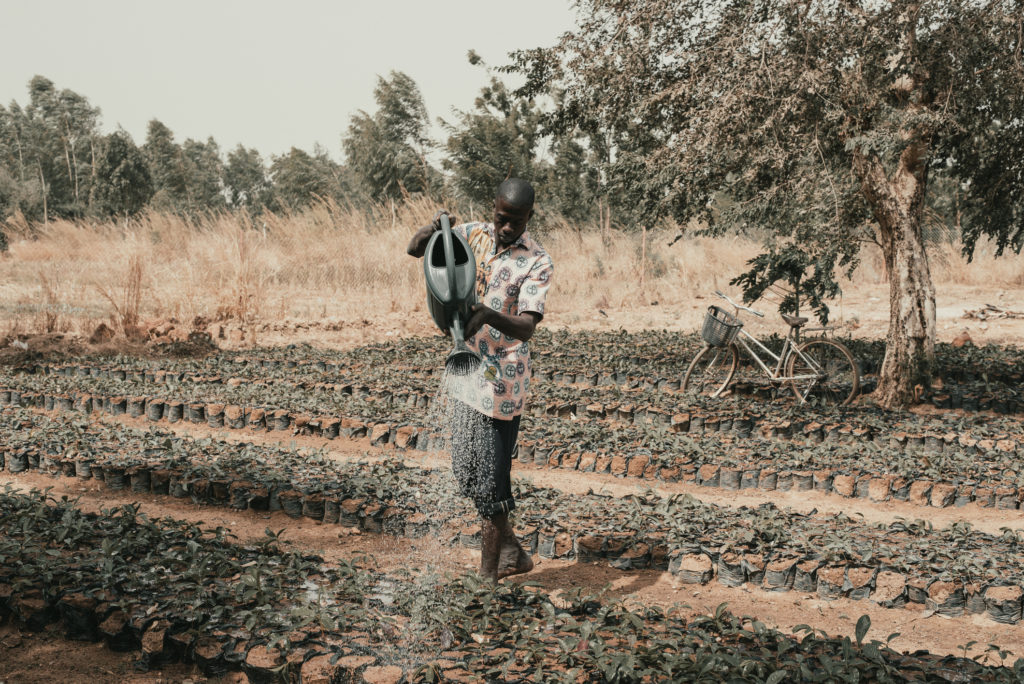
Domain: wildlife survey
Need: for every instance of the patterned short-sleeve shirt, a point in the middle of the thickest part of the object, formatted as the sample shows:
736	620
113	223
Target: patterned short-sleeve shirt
512	280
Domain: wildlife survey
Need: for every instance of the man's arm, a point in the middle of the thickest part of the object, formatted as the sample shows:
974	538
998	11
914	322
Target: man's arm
520	326
418	243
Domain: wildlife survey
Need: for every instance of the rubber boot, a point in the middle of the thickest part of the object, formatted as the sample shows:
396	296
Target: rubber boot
490	549
513	559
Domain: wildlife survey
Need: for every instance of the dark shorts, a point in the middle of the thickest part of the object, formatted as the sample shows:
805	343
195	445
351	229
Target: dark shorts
482	451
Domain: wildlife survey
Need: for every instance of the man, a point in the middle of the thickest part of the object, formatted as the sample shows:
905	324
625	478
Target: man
513	276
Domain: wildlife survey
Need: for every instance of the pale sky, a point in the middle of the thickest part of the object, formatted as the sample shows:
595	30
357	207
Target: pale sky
269	75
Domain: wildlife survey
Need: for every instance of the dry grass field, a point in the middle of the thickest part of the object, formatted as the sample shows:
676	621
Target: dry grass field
340	276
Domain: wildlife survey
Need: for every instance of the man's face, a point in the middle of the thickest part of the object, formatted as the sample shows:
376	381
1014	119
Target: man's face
509	221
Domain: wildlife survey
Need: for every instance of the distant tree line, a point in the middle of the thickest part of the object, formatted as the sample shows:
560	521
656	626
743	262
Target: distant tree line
55	162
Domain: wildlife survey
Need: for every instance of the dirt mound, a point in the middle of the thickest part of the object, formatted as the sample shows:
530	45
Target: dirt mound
17	350
197	345
21	350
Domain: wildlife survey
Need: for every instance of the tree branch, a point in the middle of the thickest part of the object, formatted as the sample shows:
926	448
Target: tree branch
828	174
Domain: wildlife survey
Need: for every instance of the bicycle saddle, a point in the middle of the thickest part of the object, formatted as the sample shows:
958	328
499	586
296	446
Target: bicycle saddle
794	321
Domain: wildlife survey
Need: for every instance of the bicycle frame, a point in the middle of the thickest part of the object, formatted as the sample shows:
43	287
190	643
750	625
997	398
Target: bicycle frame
788	348
742	338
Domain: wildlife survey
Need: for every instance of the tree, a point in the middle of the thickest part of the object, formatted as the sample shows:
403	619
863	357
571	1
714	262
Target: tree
188	178
503	136
123	183
820	120
49	147
246	181
204	175
301	178
386	152
167	168
569	184
15	191
62	129
497	139
18	196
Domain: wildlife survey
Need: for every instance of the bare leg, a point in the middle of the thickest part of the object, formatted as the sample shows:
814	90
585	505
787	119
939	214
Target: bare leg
513	559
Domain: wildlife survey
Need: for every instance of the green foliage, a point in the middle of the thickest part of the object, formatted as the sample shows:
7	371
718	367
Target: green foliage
64	128
123	181
569	184
809	280
386	151
188	178
246	181
813	120
47	150
23	197
167	167
204	175
237	597
497	140
301	178
503	137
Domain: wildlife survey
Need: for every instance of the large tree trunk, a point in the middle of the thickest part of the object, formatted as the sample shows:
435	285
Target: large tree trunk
897	203
910	343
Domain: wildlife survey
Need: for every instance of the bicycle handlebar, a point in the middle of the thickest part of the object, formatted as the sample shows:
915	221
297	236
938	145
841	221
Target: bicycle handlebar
739	306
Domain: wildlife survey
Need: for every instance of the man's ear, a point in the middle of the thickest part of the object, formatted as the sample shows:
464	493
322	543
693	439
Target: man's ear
530	215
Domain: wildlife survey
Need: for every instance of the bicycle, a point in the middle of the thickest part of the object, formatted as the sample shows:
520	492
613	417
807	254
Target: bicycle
818	369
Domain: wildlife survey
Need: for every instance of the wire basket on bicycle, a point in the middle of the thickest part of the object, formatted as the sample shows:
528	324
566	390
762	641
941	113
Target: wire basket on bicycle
720	327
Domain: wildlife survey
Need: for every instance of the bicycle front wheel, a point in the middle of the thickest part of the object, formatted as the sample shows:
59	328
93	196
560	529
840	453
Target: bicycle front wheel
823	372
711	371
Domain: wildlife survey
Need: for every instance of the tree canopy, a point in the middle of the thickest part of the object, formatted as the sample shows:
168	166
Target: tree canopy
503	136
124	183
387	151
301	178
497	139
820	121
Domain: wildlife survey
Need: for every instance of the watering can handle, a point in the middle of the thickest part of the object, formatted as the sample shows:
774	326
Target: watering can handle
449	255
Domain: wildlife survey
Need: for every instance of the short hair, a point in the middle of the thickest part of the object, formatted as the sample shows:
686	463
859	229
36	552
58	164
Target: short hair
517	192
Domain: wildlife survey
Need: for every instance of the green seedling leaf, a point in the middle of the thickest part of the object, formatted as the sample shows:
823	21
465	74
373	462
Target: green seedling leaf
863	625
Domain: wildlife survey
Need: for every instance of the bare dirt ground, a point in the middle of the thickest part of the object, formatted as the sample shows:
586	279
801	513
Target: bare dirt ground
863	311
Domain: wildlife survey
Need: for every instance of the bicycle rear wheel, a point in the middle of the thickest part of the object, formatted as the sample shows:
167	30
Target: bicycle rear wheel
826	373
711	371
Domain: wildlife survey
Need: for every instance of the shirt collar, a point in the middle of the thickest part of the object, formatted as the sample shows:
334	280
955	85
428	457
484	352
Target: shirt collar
520	241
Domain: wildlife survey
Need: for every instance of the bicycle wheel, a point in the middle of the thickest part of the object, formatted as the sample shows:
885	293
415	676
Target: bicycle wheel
825	371
711	371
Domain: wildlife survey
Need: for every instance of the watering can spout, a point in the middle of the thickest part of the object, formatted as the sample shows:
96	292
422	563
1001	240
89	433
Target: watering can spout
450	271
461	359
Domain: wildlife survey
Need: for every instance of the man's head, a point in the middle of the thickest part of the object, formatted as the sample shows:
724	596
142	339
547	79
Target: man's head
513	207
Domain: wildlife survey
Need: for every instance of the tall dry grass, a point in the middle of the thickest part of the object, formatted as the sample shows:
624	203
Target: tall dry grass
332	262
950	267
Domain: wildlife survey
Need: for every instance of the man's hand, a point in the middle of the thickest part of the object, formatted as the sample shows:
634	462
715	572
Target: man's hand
480	315
519	326
436	223
418	244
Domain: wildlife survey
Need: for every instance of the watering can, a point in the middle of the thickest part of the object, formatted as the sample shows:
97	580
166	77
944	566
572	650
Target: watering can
450	270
